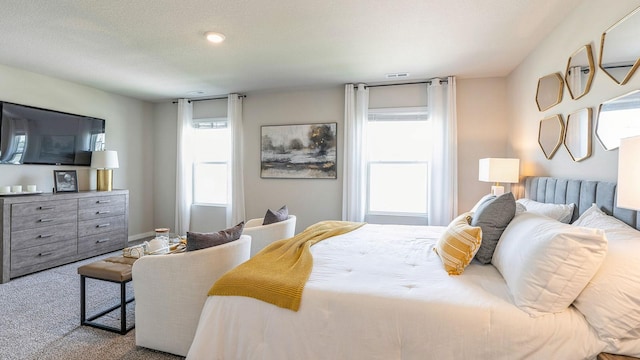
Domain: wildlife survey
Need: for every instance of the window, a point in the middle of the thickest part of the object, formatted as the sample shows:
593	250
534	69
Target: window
97	141
399	149
211	161
20	142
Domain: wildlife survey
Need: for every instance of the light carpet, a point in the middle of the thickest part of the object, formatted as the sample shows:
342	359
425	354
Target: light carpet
40	318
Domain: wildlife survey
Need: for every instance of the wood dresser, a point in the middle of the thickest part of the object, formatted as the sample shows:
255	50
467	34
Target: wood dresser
38	232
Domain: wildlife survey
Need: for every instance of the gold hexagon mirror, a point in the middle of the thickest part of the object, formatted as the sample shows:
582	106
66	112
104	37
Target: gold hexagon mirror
550	135
577	135
549	92
618	118
620	48
579	73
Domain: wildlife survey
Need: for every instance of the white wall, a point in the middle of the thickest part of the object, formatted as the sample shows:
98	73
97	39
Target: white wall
482	130
581	27
128	130
410	95
311	200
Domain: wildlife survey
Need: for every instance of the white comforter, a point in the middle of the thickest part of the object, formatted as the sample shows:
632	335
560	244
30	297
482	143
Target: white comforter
380	292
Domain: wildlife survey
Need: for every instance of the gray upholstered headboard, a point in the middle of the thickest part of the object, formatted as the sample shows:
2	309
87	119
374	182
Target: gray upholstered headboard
583	193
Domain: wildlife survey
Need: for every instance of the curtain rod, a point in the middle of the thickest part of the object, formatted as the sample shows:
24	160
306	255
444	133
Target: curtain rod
408	83
211	98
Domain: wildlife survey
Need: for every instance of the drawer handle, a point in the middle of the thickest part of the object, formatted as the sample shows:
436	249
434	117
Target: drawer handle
45	253
102	212
103	201
45	208
45	236
101	241
45	220
103	225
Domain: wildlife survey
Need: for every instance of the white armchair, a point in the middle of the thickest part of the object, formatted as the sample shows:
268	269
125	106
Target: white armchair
170	291
263	235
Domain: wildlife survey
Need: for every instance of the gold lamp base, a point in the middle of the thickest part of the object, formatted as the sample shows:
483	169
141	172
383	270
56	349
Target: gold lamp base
105	180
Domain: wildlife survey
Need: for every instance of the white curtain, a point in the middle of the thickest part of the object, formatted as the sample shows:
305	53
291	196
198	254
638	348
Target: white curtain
184	161
443	189
354	163
235	181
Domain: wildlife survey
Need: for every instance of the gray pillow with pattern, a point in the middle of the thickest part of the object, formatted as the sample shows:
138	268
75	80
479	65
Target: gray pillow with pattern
493	216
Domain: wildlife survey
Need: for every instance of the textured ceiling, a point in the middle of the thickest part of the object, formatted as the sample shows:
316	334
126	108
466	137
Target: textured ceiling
155	50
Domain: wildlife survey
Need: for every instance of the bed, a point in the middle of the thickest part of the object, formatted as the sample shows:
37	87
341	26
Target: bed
380	292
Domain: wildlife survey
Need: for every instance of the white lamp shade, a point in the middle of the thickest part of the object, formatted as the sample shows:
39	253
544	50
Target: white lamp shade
499	170
107	159
629	173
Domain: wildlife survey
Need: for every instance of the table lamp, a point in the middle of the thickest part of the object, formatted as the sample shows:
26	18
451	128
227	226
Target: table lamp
629	173
499	170
105	161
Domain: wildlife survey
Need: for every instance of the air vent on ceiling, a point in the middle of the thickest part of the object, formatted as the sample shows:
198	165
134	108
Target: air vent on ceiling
397	75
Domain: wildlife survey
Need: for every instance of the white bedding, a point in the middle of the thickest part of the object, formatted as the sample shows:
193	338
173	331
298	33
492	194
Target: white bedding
380	292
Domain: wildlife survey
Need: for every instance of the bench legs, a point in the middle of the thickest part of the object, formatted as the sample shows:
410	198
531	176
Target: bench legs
84	320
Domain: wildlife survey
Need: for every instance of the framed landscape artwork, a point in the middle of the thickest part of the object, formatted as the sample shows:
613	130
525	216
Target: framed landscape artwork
305	151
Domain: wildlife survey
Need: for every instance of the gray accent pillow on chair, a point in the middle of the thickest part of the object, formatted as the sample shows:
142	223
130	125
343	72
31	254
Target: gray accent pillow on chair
197	241
493	216
273	217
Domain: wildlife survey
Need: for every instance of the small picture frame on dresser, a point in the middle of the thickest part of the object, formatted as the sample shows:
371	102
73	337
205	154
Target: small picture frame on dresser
65	181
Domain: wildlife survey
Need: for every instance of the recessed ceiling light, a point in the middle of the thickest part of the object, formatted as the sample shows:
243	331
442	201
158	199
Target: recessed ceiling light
214	37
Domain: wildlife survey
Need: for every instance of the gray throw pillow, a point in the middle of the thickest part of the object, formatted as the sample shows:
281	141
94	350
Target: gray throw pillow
197	241
493	216
273	217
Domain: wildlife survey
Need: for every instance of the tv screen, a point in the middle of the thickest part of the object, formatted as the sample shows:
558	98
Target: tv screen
30	135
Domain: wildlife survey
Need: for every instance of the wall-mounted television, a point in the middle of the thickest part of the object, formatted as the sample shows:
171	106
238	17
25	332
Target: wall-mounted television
31	135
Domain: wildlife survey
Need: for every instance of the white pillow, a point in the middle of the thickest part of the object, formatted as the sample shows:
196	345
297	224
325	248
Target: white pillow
546	263
560	212
611	300
595	218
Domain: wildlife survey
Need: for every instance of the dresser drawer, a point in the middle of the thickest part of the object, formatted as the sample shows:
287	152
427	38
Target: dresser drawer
43	220
43	235
38	214
100	226
37	258
44	207
101	243
103	211
97	202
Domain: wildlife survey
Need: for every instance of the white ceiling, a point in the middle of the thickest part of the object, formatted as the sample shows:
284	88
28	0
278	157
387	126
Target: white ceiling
155	49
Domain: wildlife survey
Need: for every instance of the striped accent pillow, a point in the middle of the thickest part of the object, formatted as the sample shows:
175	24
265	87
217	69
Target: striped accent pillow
458	244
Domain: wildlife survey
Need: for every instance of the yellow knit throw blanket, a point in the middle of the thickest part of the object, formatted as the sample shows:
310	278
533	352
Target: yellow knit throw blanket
278	273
